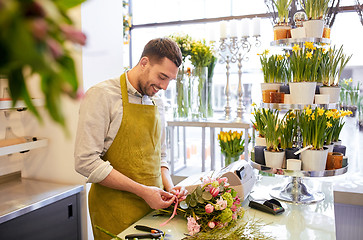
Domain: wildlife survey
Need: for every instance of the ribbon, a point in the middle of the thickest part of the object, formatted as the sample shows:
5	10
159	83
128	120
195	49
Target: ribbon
174	212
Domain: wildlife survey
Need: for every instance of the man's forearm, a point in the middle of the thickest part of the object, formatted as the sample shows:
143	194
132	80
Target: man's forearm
166	178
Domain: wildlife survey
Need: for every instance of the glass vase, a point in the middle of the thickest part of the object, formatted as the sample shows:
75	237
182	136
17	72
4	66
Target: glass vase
182	94
199	96
230	158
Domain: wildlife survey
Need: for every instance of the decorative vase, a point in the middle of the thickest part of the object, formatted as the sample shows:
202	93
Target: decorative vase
230	158
282	31
182	94
199	93
260	141
334	160
314	160
302	92
314	28
333	93
274	159
260	155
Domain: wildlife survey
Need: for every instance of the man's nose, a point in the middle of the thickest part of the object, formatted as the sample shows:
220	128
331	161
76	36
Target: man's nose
164	84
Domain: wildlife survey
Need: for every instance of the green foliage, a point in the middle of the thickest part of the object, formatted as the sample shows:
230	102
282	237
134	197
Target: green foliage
258	122
231	143
315	9
274	68
288	130
273	129
33	42
283	10
201	54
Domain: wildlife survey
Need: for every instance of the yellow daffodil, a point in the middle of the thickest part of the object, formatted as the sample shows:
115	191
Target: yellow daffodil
253	104
328	124
309	45
309	111
309	55
329	114
287	55
296	48
266	52
280	57
219	137
312	117
350	80
320	111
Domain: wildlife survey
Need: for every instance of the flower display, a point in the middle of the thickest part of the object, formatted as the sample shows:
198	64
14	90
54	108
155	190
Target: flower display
282	7
288	130
274	67
34	41
315	9
232	145
336	119
184	42
258	122
273	129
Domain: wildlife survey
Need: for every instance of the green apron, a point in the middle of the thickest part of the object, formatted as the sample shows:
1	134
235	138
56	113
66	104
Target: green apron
135	152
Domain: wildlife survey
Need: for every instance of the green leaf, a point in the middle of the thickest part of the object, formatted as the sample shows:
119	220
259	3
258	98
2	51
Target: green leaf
207	196
67	4
198	191
193	203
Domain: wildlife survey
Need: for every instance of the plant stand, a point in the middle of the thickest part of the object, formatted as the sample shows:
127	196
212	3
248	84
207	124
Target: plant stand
297	192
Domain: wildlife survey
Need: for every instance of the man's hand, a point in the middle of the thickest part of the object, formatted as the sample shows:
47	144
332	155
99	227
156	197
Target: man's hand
180	191
157	198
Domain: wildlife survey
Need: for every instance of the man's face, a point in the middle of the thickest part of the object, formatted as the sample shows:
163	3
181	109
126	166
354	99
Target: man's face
156	76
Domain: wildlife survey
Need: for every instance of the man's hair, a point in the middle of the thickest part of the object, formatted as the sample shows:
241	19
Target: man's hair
158	48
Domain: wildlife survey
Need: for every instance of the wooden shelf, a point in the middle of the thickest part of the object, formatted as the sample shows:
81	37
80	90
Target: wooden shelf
8	104
23	147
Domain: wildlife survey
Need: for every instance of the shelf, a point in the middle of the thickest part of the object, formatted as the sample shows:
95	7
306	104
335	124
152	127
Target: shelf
23	147
282	106
289	42
8	104
292	173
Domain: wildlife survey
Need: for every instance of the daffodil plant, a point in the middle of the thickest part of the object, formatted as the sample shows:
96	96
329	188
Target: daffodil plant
274	67
336	118
288	130
273	129
283	10
315	9
305	62
258	122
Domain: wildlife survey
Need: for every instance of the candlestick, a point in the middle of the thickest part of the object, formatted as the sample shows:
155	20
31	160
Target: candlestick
233	27
245	28
223	29
256	26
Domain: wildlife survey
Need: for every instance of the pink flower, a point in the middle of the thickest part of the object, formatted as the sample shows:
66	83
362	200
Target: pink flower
234	208
209	208
223	179
73	34
211	224
39	28
214	191
55	48
193	226
237	201
221	203
234	216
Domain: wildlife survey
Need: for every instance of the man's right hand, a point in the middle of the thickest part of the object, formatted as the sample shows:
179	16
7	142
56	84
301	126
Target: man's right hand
157	198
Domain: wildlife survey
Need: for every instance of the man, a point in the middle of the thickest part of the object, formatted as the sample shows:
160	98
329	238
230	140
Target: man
120	144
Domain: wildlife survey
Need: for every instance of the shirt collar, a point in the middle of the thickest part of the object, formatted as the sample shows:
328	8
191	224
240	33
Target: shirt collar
131	89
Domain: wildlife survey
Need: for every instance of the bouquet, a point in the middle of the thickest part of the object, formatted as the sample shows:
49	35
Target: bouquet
213	210
232	145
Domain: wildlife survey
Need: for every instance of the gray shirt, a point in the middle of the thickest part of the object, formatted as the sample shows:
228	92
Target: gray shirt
100	117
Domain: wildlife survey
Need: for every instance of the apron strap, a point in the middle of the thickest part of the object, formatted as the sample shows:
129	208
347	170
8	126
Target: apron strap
124	94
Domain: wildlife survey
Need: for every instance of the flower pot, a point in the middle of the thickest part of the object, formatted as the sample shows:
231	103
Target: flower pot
314	28
285	89
230	158
334	160
259	155
317	88
340	148
298	33
314	160
260	141
266	95
289	153
322	98
287	99
277	97
330	147
302	92
333	93
326	32
293	164
274	159
271	86
281	32
339	142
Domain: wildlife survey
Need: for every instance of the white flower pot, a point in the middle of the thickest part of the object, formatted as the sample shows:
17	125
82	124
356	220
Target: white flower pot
302	92
271	86
330	147
339	142
314	160
322	98
333	93
298	33
274	159
260	141
314	28
287	99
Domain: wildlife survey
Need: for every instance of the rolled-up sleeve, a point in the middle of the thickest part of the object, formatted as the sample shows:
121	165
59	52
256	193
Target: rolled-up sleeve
93	124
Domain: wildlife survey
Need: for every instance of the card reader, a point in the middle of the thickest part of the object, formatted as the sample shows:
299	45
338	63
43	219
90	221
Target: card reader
270	206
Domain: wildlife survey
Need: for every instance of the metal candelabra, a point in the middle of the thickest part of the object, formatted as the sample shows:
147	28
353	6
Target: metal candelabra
232	51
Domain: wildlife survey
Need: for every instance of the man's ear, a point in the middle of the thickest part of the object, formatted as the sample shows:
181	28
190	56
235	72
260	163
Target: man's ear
144	61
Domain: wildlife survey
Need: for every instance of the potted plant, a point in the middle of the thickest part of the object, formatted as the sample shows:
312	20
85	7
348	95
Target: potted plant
313	125
274	155
332	65
304	65
315	11
289	135
337	120
275	73
232	145
259	125
351	95
282	29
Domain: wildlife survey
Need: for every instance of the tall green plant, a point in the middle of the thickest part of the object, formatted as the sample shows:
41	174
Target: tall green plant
282	7
315	9
258	122
274	67
273	129
289	130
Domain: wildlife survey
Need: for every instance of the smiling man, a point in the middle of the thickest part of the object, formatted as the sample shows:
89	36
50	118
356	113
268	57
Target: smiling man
120	143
